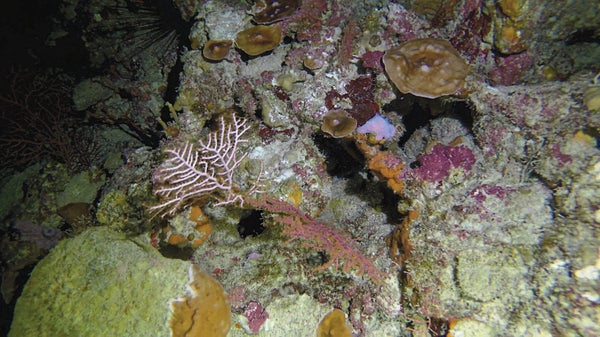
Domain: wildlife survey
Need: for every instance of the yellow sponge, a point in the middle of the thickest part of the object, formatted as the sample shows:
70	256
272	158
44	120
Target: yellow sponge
334	325
205	312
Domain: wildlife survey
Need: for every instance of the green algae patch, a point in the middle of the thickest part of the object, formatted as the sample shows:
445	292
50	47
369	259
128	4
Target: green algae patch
100	283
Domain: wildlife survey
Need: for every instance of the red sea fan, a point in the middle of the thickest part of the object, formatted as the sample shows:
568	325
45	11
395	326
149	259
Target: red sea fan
344	253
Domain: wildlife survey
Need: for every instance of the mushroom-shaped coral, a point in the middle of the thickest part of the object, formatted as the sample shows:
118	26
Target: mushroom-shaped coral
269	11
216	50
338	124
258	39
426	67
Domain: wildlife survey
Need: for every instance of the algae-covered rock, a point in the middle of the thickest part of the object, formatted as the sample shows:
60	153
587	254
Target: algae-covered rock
11	191
82	187
100	283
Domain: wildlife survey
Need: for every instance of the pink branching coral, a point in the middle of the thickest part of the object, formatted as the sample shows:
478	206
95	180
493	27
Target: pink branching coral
207	172
343	251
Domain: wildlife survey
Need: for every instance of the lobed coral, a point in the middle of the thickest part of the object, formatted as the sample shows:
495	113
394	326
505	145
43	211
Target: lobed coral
106	282
338	124
334	325
426	67
258	39
216	50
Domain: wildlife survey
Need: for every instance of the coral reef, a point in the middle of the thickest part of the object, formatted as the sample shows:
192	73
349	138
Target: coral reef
423	167
190	175
216	50
269	11
258	39
338	124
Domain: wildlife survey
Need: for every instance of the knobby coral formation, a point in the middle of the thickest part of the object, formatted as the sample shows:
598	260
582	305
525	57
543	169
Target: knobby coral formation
426	67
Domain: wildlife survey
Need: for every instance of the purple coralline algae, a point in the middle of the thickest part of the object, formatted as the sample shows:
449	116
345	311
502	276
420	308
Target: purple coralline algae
372	60
481	193
43	237
510	69
256	316
436	165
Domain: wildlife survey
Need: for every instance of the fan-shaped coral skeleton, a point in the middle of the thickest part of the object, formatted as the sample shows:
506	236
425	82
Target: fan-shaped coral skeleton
206	172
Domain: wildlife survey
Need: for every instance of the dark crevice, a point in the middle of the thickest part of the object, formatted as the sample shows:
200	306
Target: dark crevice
583	36
342	158
421	112
251	224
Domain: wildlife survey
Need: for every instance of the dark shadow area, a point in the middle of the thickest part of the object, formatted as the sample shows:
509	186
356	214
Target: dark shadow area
344	160
251	224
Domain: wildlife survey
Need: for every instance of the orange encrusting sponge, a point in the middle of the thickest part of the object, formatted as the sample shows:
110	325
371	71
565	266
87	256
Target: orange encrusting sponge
203	313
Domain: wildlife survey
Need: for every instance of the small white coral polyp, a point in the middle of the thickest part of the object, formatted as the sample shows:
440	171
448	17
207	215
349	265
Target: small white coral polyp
426	67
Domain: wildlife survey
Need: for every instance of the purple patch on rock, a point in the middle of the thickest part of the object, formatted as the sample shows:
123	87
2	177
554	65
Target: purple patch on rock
43	237
481	193
256	316
436	165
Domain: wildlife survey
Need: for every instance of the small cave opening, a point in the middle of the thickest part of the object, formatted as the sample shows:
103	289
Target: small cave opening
251	224
583	36
342	158
418	112
177	253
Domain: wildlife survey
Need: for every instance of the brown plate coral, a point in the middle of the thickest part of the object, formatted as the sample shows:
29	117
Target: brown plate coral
426	67
258	39
338	124
216	50
269	11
